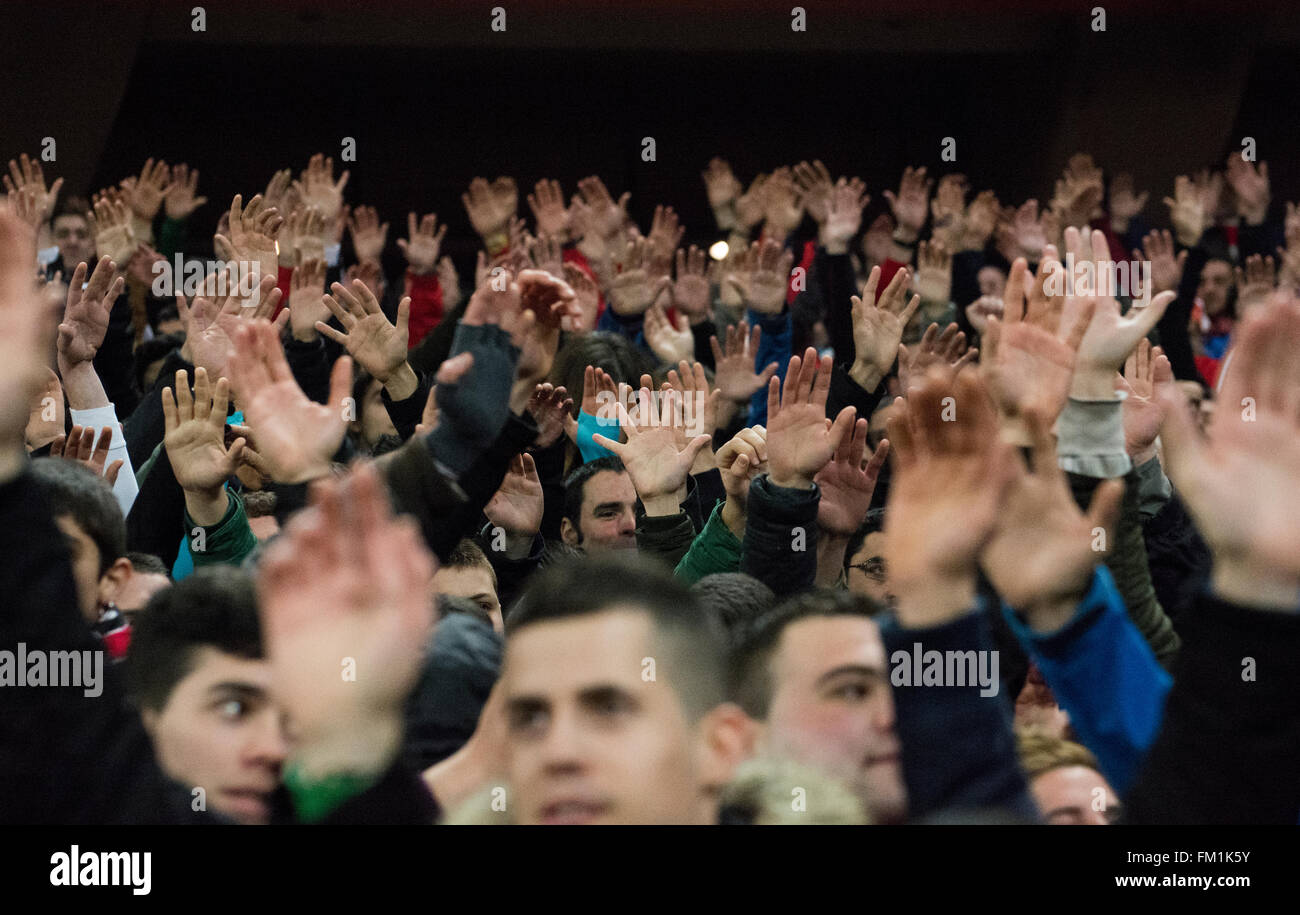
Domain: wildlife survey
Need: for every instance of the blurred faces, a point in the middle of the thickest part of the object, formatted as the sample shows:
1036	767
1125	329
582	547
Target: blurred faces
374	421
1216	280
593	741
76	243
1075	796
222	731
832	708
94	588
607	520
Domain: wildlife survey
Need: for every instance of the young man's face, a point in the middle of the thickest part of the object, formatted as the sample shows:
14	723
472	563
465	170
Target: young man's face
1075	796
374	421
472	582
607	519
93	587
76	244
832	708
222	731
590	739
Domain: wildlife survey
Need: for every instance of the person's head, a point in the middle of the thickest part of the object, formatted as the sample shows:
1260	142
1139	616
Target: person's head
71	231
372	421
150	356
148	577
1065	781
1215	285
469	574
198	675
612	352
733	598
992	281
599	507
614	696
864	560
87	514
813	672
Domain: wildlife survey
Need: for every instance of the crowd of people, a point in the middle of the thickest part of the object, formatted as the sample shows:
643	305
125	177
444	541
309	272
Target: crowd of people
918	512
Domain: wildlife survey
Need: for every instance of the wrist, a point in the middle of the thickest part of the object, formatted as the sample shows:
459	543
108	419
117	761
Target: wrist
421	269
933	599
1240	582
205	506
365	747
866	376
401	383
790	479
906	236
661	505
496	242
733	516
1093	383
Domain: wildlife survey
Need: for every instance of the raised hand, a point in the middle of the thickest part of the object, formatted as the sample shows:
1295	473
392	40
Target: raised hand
723	189
80	446
1125	204
878	327
195	437
751	204
739	461
1033	231
85	316
588	298
368	235
517	505
948	210
279	192
378	345
762	277
489	207
211	320
1041	554
306	288
253	230
814	184
422	244
180	198
949	463
691	288
981	219
1188	210
346	579
1251	186
296	436
547	204
848	482
1242	486
1078	192
800	441
1166	269
145	195
668	342
1254	284
604	217
933	281
111	225
635	288
946	350
909	204
657	454
25	342
317	188
733	372
843	215
782	208
26	175
1147	373
549	407
1110	336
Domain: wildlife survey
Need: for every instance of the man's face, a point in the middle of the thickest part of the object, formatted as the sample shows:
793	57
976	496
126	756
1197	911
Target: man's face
374	421
867	574
76	244
992	281
1070	796
590	740
607	520
473	582
832	709
222	731
1216	280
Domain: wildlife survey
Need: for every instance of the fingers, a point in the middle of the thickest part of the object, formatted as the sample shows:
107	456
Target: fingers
111	472
1104	509
340	383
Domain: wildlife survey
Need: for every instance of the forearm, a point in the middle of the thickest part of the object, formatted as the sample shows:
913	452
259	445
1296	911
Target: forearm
125	489
830	559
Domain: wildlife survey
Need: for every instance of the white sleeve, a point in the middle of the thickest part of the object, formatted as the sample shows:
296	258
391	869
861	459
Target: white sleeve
97	418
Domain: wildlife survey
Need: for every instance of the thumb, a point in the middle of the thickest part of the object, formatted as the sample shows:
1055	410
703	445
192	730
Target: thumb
1103	511
694	447
454	368
404	316
340	383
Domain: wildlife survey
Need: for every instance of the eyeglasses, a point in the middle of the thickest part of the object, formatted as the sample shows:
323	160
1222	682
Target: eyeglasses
873	568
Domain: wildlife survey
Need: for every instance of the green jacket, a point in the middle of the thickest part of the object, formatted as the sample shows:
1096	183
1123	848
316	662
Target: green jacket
227	542
716	549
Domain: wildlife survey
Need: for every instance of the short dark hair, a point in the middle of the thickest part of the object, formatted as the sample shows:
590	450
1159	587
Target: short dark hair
576	483
606	350
693	643
466	555
78	493
874	523
215	607
151	351
147	564
70	206
734	598
750	674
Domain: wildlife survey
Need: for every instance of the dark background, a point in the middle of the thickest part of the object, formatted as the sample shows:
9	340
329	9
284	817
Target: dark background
433	97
